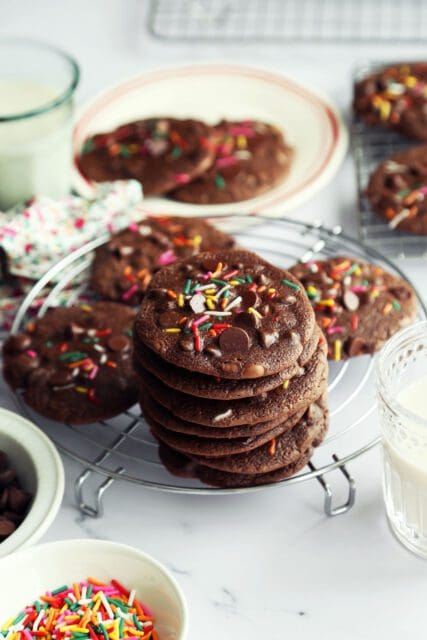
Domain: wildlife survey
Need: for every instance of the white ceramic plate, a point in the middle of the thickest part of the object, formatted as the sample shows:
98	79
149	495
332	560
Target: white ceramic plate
40	471
30	573
211	92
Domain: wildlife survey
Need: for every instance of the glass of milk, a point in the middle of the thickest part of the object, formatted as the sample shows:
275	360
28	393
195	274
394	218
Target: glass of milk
402	401
37	84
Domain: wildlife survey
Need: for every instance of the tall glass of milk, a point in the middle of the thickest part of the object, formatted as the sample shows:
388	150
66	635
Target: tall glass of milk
402	401
37	84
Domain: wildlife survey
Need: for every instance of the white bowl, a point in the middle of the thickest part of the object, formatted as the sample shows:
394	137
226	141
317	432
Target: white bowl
30	573
40	471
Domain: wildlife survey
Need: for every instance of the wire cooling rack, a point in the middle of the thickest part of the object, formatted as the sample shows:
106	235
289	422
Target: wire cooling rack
370	146
290	20
123	448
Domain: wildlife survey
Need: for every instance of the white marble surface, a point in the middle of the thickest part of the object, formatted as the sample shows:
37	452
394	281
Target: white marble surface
268	565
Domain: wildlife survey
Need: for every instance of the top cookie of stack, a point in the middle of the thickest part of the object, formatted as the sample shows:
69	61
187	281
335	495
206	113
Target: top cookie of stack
226	345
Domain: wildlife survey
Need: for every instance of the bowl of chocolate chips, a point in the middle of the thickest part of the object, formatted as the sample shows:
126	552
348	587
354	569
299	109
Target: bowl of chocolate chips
31	482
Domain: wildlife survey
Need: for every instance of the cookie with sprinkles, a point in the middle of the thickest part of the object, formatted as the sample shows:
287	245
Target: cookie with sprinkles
200	385
250	158
75	364
164	417
180	465
123	267
358	305
281	458
395	97
214	447
397	190
279	451
226	313
283	401
161	153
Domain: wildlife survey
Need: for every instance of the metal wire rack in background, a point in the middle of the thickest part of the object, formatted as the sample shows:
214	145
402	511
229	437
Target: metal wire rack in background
122	448
370	146
290	20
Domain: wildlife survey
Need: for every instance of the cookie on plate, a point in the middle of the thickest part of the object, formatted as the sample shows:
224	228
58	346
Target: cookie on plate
395	97
161	153
358	305
75	365
123	267
397	190
226	313
250	158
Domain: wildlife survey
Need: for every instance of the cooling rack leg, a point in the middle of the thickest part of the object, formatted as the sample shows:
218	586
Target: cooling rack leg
329	509
97	510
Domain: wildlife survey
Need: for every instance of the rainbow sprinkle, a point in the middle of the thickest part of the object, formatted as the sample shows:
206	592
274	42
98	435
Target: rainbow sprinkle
90	609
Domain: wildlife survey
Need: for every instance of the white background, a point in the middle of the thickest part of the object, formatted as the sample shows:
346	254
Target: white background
268	565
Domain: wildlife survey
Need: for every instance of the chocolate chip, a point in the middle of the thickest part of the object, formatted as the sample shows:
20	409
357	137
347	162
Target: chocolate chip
263	280
7	527
356	346
213	351
401	293
197	303
350	301
16	518
169	319
125	251
18	343
187	343
234	340
253	371
247	320
60	378
75	330
268	338
7	476
156	293
249	299
264	309
4	497
118	343
18	500
230	367
4	462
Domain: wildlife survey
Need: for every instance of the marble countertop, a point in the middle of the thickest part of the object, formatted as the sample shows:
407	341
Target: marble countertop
269	564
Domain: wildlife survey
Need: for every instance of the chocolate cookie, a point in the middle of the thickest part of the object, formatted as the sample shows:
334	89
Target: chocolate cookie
285	400
75	364
215	447
123	267
250	158
161	153
397	190
172	423
395	97
180	465
198	384
226	313
358	305
280	451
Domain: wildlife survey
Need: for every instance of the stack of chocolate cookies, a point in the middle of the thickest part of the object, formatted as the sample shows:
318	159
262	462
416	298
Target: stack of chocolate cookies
232	369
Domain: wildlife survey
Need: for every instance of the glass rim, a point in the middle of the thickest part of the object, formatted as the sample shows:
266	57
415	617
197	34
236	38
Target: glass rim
390	400
58	100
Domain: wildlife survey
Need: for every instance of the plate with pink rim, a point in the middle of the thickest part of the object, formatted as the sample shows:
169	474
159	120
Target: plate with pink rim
210	92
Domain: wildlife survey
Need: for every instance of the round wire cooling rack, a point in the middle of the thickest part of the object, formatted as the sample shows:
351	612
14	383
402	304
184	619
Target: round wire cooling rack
123	448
